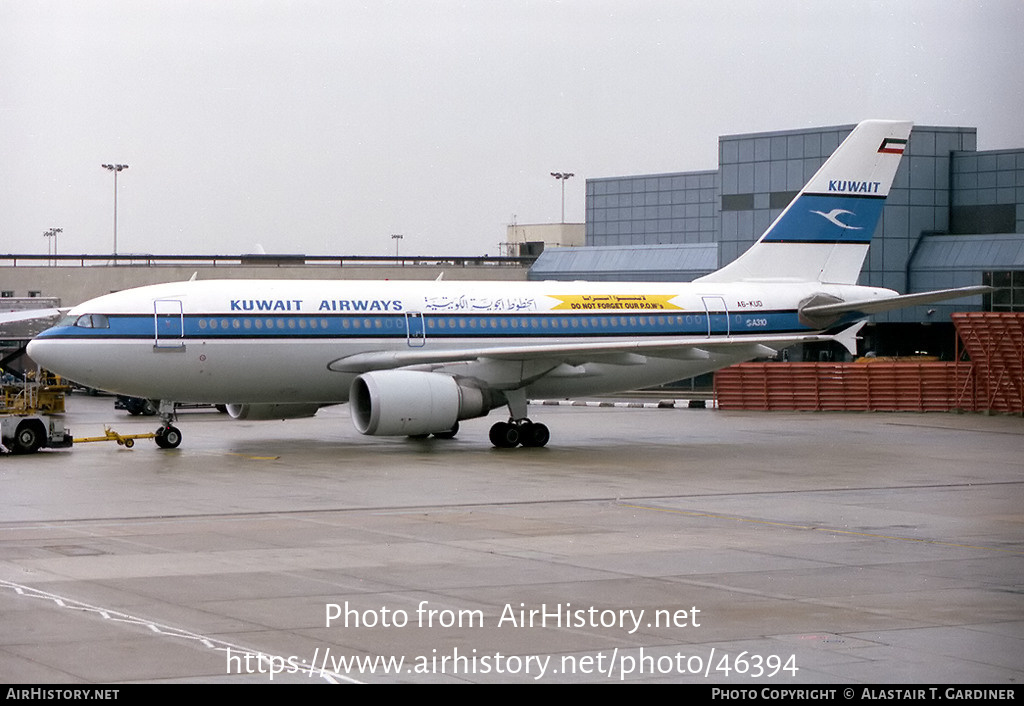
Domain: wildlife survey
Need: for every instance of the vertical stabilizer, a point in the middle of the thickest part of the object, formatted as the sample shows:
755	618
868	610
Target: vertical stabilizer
824	233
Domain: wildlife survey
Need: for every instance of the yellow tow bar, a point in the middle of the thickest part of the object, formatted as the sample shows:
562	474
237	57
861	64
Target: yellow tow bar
126	440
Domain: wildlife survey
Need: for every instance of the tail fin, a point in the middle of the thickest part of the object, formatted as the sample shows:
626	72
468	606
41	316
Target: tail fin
824	233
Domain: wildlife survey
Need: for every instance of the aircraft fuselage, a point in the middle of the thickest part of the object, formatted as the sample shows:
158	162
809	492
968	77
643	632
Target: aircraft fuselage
243	341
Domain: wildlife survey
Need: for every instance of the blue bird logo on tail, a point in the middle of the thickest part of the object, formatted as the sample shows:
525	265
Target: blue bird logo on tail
833	218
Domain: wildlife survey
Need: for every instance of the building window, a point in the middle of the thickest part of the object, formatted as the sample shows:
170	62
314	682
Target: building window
1010	293
7	293
994	218
781	199
737	202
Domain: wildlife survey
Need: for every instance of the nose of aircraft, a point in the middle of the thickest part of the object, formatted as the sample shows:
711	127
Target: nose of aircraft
46	353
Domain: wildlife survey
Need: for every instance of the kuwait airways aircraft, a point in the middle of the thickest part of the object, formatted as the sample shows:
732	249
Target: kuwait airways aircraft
415	358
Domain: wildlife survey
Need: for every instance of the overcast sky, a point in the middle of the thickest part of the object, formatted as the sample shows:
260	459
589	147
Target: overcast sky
325	127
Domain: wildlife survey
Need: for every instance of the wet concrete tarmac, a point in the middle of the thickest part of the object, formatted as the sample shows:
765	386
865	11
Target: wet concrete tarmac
641	545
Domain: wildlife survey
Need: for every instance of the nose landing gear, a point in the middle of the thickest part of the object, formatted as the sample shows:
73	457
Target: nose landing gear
518	429
167	435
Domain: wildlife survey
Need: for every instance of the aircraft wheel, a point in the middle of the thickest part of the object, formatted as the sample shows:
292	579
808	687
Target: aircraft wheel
168	437
29	437
536	435
450	434
504	435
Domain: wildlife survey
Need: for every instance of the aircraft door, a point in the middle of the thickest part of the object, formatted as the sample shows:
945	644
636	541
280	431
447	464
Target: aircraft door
168	324
415	329
717	314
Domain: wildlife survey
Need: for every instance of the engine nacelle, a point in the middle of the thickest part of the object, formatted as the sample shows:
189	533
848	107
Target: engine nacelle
272	411
409	403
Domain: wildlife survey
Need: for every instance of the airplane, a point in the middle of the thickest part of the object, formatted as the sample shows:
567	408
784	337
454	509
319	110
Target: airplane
416	358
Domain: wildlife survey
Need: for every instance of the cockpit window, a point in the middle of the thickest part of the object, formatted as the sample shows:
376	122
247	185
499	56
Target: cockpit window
92	321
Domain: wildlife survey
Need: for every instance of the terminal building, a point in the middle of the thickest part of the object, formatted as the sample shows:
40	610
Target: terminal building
954	217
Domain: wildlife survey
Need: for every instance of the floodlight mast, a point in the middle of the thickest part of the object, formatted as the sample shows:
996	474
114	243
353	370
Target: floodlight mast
115	168
52	233
563	177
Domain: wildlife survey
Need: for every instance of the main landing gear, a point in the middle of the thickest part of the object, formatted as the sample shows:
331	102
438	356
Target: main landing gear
518	429
506	435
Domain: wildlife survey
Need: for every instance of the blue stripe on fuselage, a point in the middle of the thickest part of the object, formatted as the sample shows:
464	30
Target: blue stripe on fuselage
438	326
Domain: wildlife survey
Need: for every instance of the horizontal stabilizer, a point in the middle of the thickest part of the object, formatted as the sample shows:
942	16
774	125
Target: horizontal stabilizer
832	311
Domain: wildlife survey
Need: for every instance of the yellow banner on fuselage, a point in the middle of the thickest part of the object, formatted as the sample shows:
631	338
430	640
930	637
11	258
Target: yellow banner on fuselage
615	302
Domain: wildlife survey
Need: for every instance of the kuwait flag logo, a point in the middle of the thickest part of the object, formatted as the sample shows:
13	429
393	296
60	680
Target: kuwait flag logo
891	145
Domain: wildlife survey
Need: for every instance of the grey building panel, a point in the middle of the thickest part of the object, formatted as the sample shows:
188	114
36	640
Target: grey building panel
745	149
778	148
655	263
795	147
728	152
922	197
925	143
762	149
812	145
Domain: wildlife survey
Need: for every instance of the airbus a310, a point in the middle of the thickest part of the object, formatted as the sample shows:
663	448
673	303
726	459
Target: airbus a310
416	358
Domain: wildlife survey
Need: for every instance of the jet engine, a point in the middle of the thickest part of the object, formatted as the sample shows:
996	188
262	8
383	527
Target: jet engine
272	411
411	403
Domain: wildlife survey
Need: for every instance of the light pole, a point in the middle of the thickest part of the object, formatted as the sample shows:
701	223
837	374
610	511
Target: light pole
115	168
397	238
563	177
52	233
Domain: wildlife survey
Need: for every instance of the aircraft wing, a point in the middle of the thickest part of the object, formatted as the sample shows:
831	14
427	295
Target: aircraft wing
26	324
630	352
